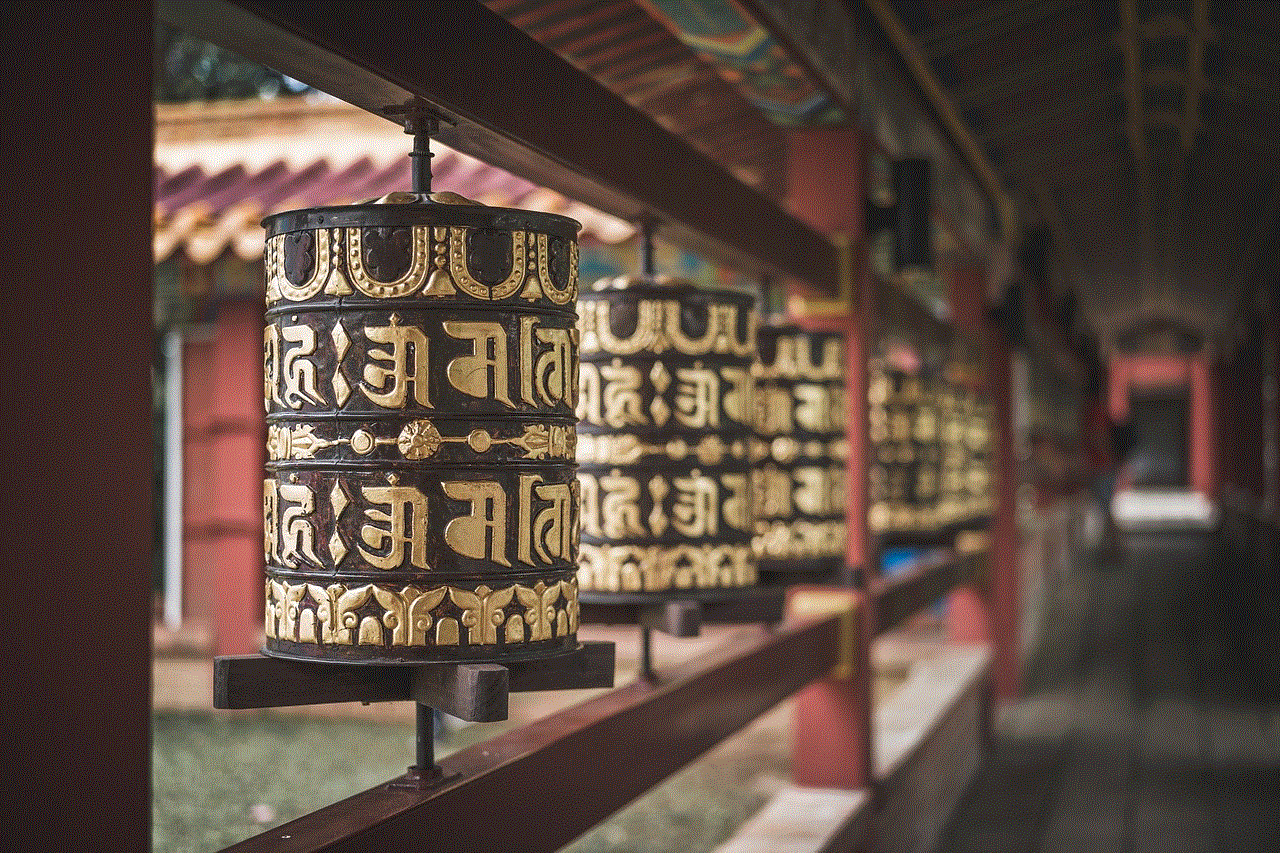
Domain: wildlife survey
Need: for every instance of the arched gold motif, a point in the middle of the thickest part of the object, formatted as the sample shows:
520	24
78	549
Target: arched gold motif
596	329
570	291
278	283
462	274
402	286
686	345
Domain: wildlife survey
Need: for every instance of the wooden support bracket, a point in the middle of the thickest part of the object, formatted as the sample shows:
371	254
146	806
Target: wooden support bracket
684	616
476	692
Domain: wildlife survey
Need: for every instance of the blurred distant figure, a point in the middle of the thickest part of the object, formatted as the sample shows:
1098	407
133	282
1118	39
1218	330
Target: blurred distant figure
1106	445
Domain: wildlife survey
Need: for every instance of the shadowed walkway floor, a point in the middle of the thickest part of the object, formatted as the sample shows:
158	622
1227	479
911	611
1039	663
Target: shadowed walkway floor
1152	716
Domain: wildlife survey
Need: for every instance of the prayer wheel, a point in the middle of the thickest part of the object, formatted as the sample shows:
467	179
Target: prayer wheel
665	415
421	367
800	451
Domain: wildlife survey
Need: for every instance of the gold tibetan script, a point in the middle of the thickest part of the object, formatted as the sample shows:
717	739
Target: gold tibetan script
389	386
483	373
482	533
404	523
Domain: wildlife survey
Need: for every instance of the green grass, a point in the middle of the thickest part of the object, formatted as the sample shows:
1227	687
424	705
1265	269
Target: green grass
210	771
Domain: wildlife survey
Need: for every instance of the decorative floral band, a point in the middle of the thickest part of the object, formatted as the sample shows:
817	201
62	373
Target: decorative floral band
376	615
422	261
623	449
799	540
784	450
656	568
419	439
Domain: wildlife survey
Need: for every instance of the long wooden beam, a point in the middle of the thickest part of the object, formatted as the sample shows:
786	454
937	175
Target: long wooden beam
1036	71
1137	133
521	107
538	787
986	23
943	105
1047	117
1188	129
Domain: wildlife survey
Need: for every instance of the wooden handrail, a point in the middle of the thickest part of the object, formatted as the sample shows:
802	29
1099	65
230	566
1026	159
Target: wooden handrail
896	599
540	786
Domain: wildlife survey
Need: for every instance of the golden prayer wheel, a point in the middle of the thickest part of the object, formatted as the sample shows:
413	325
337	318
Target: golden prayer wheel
665	415
421	368
800	450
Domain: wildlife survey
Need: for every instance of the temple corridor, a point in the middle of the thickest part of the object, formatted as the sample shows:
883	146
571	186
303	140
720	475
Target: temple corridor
1151	720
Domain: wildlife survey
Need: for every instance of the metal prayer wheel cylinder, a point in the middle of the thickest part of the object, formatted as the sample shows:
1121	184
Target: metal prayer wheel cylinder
800	449
665	415
421	373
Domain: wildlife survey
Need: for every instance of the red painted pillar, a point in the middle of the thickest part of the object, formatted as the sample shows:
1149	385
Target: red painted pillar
825	188
237	451
1204	466
968	609
1004	528
831	745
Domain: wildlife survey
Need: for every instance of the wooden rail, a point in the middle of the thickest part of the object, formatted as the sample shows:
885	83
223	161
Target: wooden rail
898	598
541	786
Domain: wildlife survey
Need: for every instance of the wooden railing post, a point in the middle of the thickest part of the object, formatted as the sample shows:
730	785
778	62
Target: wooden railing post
832	740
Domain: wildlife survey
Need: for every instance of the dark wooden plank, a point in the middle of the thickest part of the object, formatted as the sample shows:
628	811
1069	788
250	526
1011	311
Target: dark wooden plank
523	108
464	689
475	692
676	616
591	666
561	775
257	681
79	339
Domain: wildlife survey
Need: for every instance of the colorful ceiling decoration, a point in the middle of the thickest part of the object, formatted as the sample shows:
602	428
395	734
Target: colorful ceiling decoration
728	38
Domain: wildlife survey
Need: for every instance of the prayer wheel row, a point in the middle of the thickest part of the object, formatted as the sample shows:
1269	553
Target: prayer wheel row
459	442
930	450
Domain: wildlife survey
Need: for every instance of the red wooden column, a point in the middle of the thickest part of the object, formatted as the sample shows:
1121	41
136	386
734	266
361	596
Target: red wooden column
825	189
969	607
79	349
1203	461
1007	668
237	457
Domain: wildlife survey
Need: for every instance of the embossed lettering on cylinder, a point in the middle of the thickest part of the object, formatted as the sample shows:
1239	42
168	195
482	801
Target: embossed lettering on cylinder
665	408
800	448
421	388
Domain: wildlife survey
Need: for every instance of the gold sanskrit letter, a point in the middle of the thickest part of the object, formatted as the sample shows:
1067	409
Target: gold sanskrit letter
481	534
482	374
270	522
589	400
737	503
620	510
696	511
552	532
296	533
550	374
406	524
554	528
271	366
697	396
389	386
299	372
622	403
590	506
